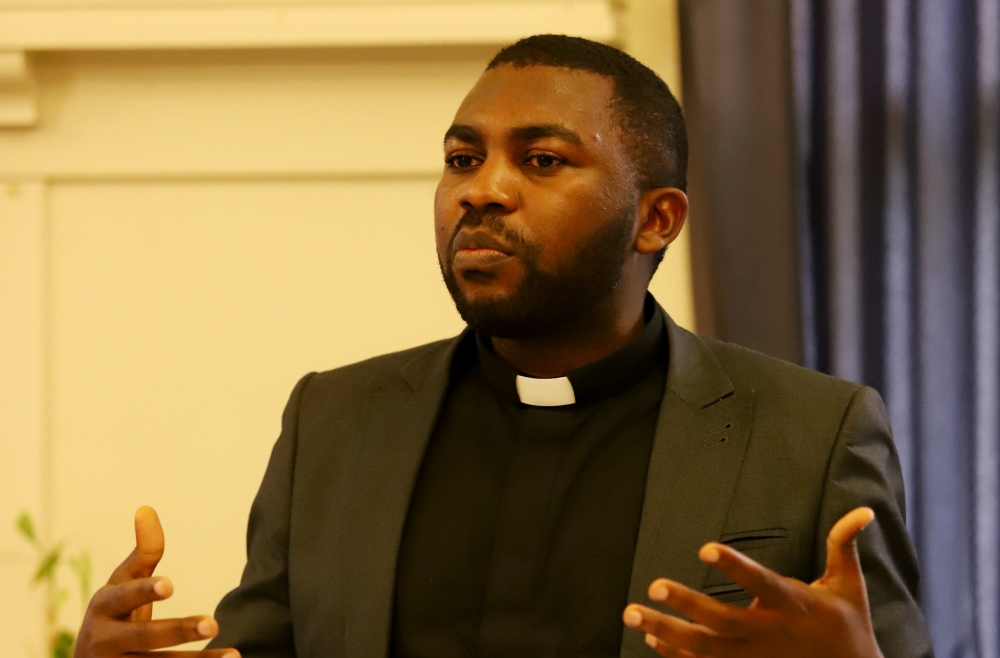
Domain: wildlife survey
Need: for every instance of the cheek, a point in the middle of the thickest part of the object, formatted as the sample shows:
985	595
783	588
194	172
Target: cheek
568	220
444	218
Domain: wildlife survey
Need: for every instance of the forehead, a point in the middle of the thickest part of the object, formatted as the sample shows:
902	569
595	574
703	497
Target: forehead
508	96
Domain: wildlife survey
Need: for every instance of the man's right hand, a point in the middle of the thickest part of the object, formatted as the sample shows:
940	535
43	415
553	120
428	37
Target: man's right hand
119	618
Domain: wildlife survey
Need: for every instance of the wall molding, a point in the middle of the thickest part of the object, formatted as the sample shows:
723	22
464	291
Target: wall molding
130	26
18	90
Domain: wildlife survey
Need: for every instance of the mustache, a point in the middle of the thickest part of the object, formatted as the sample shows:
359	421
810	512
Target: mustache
494	224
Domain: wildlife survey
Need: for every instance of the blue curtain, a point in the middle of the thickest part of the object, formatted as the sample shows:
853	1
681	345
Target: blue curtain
888	124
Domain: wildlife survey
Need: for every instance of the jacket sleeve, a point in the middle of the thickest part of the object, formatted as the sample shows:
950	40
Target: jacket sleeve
864	471
255	617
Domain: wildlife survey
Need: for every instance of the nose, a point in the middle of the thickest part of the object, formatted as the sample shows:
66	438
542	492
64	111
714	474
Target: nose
492	186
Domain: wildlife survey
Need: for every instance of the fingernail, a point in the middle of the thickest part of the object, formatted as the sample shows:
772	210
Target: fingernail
710	554
161	587
659	592
633	618
651	640
207	627
231	654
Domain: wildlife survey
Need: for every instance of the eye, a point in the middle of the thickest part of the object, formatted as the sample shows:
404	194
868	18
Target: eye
460	161
544	161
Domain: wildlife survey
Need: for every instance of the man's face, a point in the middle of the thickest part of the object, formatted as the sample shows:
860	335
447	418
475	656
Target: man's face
535	213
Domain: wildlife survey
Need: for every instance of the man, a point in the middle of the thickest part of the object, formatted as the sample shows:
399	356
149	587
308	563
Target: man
509	492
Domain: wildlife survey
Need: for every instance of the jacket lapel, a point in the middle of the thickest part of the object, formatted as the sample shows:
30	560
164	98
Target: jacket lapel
388	452
701	435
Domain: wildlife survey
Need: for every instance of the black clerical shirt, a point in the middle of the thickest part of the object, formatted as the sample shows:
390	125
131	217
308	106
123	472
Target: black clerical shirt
522	526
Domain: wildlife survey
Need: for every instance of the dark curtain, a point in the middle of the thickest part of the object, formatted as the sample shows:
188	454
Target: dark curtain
845	189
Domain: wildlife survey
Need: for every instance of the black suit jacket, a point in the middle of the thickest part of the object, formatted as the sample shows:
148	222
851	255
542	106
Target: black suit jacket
750	451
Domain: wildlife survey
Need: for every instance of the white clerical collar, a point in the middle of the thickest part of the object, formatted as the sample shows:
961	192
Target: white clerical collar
554	392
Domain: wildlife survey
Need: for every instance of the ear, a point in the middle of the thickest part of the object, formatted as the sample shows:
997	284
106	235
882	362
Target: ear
661	214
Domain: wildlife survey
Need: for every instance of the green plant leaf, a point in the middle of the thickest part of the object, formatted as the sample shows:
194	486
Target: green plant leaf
48	564
27	528
62	644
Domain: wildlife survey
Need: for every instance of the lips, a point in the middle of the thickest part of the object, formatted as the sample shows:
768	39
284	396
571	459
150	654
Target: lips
478	250
478	240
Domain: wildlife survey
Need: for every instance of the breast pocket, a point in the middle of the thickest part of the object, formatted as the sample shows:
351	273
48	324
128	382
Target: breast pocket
769	547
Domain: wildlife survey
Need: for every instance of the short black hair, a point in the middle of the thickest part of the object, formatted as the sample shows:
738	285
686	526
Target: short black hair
649	116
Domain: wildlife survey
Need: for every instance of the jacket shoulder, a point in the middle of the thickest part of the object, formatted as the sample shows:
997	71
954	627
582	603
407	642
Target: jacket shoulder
774	377
383	369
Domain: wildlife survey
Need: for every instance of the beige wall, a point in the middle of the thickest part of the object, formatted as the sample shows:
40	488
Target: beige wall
182	236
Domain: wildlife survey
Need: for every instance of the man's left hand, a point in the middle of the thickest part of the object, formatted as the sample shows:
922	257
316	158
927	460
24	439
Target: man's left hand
826	619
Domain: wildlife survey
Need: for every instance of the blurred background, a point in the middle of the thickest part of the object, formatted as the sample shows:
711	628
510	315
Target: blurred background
202	201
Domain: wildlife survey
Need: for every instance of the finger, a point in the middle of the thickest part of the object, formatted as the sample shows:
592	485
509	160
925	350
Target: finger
842	561
773	590
724	619
121	600
675	633
148	542
666	650
132	636
148	548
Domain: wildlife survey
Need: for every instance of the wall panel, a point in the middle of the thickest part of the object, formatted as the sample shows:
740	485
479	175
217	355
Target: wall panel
182	315
24	430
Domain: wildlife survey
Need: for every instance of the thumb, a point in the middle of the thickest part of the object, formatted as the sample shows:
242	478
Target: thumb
147	553
843	566
148	548
148	542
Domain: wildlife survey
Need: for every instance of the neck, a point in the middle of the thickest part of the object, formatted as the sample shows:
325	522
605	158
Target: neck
555	354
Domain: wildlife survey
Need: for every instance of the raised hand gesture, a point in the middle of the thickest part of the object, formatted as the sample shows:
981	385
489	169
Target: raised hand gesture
788	618
119	621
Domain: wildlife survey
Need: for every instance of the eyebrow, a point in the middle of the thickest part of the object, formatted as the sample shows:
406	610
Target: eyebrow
464	133
470	135
531	133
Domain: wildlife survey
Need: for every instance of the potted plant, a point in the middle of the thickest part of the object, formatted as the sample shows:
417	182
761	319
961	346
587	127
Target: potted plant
48	560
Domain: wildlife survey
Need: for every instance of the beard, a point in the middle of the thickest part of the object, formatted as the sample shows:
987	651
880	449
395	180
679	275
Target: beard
545	302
